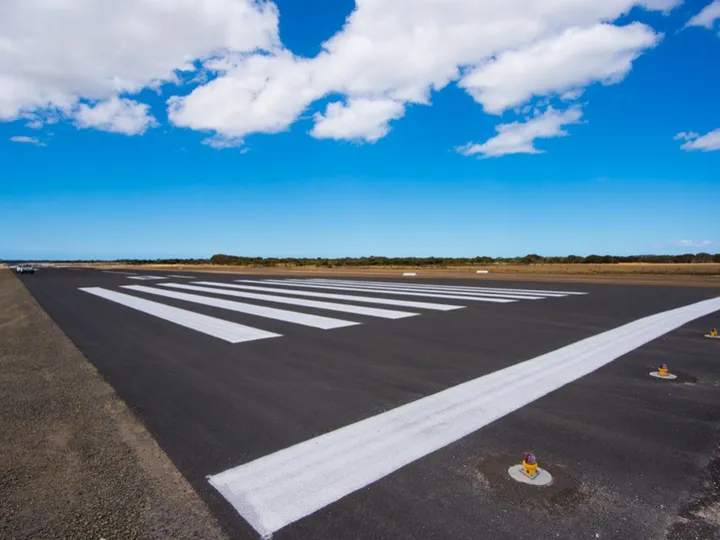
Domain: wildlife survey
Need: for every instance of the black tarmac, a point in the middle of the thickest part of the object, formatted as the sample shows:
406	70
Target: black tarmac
631	455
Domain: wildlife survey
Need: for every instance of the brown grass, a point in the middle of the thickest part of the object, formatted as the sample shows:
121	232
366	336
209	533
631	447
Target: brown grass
661	269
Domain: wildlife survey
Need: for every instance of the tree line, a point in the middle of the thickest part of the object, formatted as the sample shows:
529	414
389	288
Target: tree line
234	260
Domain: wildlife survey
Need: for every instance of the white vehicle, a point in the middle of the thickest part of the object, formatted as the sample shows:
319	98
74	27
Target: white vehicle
25	269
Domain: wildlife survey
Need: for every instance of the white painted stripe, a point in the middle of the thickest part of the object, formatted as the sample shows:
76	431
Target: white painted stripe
118	272
147	278
440	290
226	330
180	277
359	310
313	294
453	287
278	489
315	321
384	291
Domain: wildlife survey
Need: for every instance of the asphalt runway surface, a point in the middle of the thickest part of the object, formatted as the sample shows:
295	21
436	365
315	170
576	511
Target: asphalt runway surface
628	453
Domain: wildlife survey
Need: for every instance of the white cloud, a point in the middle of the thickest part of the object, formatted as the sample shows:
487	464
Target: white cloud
707	143
257	94
561	64
694	243
221	143
27	140
683	136
360	119
55	52
707	16
115	115
519	137
401	51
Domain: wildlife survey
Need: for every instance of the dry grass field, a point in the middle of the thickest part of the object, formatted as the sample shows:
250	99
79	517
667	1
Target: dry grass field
685	274
659	269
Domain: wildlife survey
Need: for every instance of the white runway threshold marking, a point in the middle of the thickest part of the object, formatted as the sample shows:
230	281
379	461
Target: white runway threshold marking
331	306
415	284
226	330
446	288
278	489
291	283
442	290
315	321
355	298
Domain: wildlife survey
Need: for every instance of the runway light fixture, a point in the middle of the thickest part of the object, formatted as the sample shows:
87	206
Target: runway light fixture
663	373
528	472
530	466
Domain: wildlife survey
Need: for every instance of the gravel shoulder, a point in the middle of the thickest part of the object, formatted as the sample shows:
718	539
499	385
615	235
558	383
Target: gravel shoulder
76	463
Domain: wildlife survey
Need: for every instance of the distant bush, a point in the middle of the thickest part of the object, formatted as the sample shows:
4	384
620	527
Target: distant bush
234	260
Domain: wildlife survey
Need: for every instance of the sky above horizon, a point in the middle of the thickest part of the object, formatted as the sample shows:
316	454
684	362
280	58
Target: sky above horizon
331	128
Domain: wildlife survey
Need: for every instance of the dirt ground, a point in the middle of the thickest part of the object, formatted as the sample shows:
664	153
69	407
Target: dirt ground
76	464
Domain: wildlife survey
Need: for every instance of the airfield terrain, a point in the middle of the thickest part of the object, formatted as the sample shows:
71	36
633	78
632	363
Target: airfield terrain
308	406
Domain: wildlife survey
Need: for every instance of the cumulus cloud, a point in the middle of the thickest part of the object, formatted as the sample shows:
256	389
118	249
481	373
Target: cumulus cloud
707	17
561	64
707	143
359	119
403	50
57	55
519	137
115	115
256	94
27	140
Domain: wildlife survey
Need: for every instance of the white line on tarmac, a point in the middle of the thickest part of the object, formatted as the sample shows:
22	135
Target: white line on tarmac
226	330
118	272
439	290
313	294
316	321
278	489
384	291
358	310
181	277
453	287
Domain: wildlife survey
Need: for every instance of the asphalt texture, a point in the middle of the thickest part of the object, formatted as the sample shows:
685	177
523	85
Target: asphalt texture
74	461
632	456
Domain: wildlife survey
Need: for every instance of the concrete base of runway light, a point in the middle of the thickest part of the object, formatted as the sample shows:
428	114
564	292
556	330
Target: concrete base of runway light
668	377
542	478
710	336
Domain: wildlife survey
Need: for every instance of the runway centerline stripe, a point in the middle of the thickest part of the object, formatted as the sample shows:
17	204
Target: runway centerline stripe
316	321
455	287
385	291
440	290
219	328
278	489
176	276
359	310
313	294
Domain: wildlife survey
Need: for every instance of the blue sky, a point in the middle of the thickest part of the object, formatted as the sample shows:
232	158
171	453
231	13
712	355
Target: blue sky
407	163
